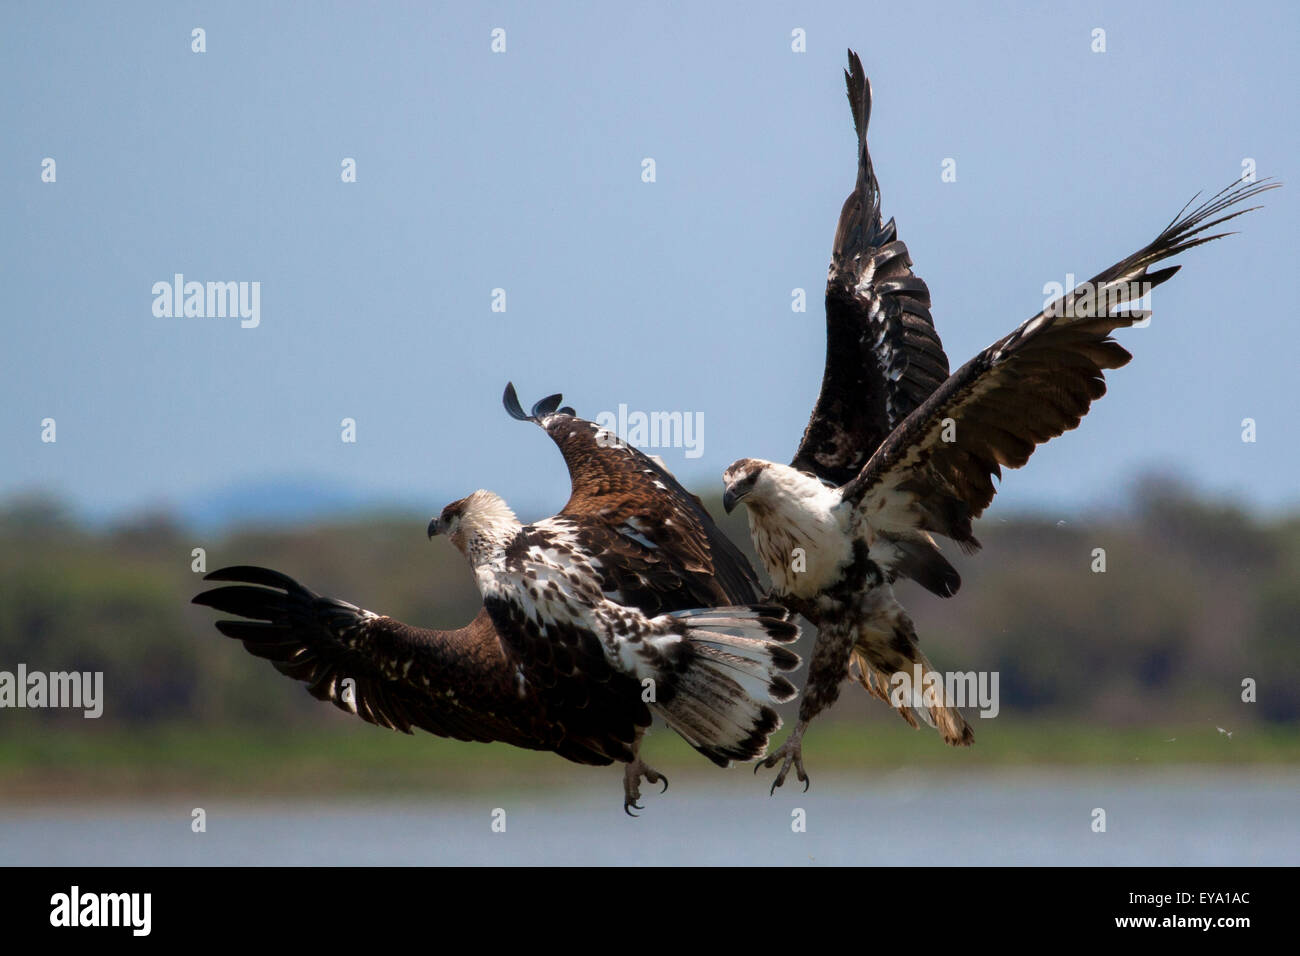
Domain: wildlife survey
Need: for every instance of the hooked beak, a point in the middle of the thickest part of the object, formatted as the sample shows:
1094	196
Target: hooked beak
435	527
730	498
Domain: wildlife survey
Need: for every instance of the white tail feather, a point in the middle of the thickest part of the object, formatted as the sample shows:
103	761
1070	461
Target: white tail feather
720	697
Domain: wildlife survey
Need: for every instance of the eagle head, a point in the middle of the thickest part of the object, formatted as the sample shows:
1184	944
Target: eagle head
740	480
790	509
476	522
769	487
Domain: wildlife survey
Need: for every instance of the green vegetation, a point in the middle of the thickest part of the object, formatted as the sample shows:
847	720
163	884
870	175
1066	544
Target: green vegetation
1133	667
157	761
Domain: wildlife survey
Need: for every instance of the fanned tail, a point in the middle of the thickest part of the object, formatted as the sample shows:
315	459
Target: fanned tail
728	673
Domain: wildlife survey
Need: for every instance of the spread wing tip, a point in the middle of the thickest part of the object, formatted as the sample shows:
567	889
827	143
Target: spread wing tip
511	401
546	406
251	574
859	92
549	405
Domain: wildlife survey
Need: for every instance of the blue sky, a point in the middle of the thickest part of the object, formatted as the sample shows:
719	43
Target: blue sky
523	171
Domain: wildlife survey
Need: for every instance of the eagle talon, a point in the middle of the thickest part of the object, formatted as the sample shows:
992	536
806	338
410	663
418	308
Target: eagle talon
632	775
788	754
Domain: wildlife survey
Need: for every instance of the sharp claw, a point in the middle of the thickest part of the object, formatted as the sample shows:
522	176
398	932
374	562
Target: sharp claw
635	772
788	755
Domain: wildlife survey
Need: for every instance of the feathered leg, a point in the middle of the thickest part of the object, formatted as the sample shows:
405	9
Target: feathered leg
887	646
829	666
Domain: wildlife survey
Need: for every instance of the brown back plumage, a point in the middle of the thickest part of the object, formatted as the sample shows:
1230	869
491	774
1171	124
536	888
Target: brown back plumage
664	551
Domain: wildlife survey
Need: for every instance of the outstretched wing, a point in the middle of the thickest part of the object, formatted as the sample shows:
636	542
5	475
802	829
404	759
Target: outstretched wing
935	472
461	684
883	356
652	540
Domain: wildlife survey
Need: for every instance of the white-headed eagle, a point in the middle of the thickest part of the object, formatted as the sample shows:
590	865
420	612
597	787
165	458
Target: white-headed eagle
628	602
898	450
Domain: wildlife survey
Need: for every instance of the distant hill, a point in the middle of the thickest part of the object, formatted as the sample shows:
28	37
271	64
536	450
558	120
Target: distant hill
280	502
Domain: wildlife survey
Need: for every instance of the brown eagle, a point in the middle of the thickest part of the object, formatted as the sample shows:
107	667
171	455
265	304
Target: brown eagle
628	602
898	450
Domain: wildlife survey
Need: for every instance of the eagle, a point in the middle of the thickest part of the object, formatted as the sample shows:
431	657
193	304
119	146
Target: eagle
898	450
629	602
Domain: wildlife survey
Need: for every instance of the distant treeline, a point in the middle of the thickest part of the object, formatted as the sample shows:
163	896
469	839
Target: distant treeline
1196	597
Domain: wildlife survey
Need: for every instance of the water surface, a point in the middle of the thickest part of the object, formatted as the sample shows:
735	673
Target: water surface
905	818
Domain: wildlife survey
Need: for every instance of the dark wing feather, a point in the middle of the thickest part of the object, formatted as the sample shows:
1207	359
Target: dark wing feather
460	684
883	356
654	541
1020	392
